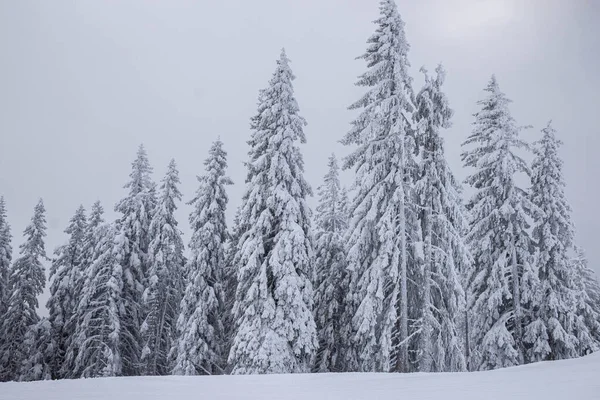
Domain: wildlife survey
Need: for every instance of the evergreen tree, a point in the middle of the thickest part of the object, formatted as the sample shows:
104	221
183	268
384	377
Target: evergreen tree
40	352
26	282
90	241
230	280
201	343
88	246
587	306
100	330
442	226
66	271
132	242
347	355
500	244
5	257
378	231
331	276
165	278
275	328
550	335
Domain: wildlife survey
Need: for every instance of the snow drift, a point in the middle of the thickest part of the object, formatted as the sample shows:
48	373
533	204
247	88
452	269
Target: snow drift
577	379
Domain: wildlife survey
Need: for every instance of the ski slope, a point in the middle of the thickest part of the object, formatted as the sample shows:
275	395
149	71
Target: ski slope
572	379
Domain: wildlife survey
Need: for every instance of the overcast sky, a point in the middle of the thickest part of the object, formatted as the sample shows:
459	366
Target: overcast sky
83	83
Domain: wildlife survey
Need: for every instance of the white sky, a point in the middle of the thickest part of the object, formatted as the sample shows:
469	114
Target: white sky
83	83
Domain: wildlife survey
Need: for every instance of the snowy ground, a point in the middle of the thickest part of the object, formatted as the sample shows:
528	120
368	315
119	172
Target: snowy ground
572	379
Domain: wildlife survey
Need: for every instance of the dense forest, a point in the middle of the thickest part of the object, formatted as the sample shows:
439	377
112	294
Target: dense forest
401	272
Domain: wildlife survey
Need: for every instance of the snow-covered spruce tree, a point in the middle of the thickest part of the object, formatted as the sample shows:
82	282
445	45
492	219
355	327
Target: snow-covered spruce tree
132	242
442	226
100	331
587	305
275	328
498	237
347	355
5	258
230	280
165	278
41	350
26	282
5	292
331	276
550	335
201	342
66	272
90	240
377	236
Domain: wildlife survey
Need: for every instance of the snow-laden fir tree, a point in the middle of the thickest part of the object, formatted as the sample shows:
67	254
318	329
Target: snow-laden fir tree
442	226
587	305
66	272
377	236
165	278
551	333
331	275
346	354
230	279
201	343
90	240
5	257
100	332
26	282
41	352
95	220
275	327
132	242
498	236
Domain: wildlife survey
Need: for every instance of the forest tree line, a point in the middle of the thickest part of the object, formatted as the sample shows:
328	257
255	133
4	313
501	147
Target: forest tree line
400	273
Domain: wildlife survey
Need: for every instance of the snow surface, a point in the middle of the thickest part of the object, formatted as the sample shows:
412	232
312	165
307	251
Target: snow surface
571	379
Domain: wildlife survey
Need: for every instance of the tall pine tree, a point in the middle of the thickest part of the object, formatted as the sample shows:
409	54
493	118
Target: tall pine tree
587	305
331	276
100	330
378	232
442	226
201	343
498	236
230	279
131	248
5	257
90	241
41	350
551	335
26	282
66	272
165	278
275	328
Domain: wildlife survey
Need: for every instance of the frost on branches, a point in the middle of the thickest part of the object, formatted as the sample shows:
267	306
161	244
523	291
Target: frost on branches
131	244
100	330
66	271
551	334
587	304
41	352
275	328
442	225
331	277
377	237
200	347
502	276
230	279
165	278
26	283
5	258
